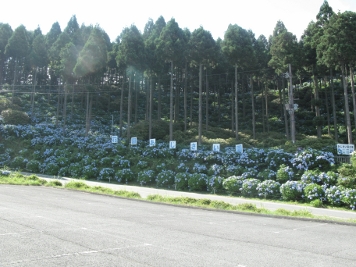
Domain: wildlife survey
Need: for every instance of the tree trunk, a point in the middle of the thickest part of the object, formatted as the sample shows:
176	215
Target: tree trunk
253	109
122	103
64	109
159	98
353	93
200	103
316	105
284	110
150	109
129	111
206	100
236	108
171	106
136	98
347	111
266	101
87	121
327	104
333	104
185	96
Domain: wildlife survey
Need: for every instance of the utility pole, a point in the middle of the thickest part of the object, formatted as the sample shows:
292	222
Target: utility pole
291	105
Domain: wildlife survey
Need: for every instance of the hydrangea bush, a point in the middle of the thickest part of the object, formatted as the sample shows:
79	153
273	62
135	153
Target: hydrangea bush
269	189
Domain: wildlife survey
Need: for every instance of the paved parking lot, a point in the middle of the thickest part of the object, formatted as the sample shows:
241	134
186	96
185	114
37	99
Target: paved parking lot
42	226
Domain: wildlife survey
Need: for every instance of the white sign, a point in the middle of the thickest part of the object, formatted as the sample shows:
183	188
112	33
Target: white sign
133	141
193	146
152	142
114	139
172	144
216	147
345	149
239	148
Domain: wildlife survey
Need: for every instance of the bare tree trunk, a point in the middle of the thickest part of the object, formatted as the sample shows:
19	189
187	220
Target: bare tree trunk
129	111
327	104
200	102
33	94
236	107
333	105
353	93
64	109
266	101
253	109
316	105
87	121
150	109
185	96
206	100
171	106
284	110
347	111
136	96
122	103
159	97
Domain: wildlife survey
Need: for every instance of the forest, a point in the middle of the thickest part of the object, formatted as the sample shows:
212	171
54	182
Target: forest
187	79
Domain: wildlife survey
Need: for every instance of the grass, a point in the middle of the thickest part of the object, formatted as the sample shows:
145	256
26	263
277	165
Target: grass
20	179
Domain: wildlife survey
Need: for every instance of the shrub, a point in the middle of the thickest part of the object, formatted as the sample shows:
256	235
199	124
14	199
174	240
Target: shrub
197	182
233	184
106	174
292	190
249	187
15	117
284	173
346	170
181	180
75	170
90	172
165	179
125	175
311	176
334	195
19	163
314	191
312	159
347	182
50	168
269	189
33	166
349	198
145	177
214	183
267	174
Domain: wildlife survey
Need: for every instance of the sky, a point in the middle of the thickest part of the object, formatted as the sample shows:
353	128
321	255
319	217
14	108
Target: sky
259	16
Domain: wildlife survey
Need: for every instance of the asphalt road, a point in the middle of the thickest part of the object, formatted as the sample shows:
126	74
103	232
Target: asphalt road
42	226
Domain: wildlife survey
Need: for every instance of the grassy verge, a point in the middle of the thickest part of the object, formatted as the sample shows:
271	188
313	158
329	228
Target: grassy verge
20	179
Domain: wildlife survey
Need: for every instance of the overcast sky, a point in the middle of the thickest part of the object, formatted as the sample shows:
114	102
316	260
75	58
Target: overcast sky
260	16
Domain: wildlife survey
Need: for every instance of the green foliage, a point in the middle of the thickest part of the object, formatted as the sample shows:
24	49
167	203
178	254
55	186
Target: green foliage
249	187
181	180
19	163
145	177
197	182
347	181
15	117
165	179
314	191
292	190
346	170
233	184
33	166
284	173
